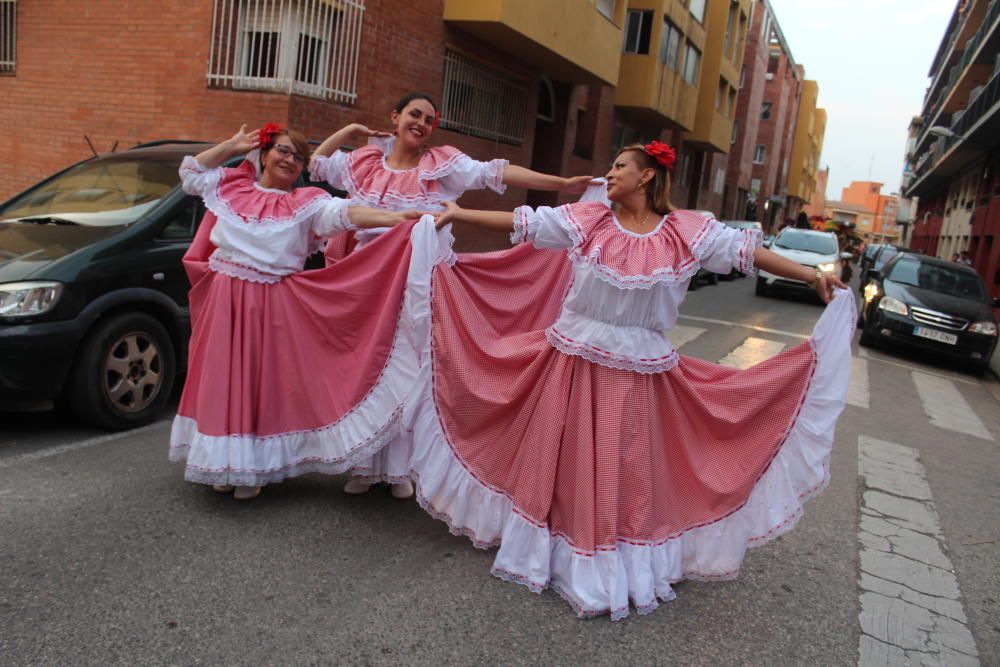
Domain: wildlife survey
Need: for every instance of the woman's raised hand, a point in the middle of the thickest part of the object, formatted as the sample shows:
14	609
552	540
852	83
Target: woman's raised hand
576	185
357	130
243	141
825	284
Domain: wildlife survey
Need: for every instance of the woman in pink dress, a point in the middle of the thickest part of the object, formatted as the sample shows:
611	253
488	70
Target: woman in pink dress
260	402
558	422
396	171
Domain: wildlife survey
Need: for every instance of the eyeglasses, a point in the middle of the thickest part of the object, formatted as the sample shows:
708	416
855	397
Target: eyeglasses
284	152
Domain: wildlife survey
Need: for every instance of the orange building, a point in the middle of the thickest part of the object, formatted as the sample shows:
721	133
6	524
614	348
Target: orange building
868	195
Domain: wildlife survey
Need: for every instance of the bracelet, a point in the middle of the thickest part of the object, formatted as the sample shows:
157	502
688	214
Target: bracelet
815	281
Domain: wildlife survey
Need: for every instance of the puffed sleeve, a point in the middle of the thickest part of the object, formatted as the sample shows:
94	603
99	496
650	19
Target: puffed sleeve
332	217
332	169
544	227
724	248
469	174
196	178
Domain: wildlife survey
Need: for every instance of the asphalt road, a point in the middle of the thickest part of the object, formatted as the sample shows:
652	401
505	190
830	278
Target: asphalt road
108	557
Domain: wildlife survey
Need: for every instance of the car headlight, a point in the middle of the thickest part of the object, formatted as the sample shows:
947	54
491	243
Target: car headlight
871	291
986	328
826	268
891	305
29	298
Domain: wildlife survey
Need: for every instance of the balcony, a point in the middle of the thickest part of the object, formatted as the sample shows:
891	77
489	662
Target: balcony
976	63
653	94
569	40
975	133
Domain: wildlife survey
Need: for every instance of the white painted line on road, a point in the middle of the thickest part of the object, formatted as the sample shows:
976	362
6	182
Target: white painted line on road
865	354
911	608
751	352
74	446
745	326
681	335
946	407
858	393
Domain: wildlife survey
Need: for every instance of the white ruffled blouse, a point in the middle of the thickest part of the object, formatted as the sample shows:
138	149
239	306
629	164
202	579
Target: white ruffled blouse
261	234
443	174
627	288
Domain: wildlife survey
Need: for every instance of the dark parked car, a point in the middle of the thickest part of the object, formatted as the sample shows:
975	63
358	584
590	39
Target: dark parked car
93	296
877	259
932	305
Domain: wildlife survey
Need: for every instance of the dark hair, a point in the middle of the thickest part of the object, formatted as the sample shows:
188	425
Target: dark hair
297	138
658	191
406	99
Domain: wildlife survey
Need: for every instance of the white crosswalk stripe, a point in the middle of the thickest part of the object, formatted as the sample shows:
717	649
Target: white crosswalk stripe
858	393
681	335
946	407
751	352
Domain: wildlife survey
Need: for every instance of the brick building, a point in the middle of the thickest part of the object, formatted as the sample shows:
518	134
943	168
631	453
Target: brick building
114	74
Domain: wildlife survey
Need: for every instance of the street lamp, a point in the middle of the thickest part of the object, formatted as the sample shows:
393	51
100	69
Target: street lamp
942	131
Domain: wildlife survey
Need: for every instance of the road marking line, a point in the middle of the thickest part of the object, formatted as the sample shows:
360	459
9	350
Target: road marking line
74	446
946	407
745	326
865	354
751	352
911	608
858	393
681	335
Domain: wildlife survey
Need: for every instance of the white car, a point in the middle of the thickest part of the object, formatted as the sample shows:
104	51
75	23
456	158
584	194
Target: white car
802	246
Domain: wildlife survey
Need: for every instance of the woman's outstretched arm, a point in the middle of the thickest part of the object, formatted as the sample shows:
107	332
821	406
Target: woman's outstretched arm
498	220
532	180
239	144
822	282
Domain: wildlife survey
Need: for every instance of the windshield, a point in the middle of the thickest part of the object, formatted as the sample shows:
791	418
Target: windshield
795	239
103	193
937	278
888	252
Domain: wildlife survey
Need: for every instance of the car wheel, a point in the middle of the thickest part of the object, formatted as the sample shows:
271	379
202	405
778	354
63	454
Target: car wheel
124	373
868	338
760	289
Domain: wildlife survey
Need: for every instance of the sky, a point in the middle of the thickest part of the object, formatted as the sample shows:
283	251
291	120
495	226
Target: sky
871	59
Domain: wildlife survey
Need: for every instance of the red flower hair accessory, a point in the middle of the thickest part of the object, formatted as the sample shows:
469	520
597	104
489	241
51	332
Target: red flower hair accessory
662	153
267	134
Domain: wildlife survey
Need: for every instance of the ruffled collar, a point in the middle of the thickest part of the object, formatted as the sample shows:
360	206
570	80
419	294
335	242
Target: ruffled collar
371	179
239	197
668	254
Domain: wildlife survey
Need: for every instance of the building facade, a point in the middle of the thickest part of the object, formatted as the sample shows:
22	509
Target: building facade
803	166
955	158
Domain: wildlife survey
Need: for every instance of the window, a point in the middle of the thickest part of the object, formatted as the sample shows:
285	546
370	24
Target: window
765	111
8	36
637	28
670	44
482	102
698	10
183	221
773	61
754	186
743	76
736	131
692	63
760	154
309	47
730	21
722	95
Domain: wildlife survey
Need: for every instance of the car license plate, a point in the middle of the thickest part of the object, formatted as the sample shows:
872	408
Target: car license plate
934	334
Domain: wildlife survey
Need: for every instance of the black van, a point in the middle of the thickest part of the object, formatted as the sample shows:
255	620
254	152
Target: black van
93	296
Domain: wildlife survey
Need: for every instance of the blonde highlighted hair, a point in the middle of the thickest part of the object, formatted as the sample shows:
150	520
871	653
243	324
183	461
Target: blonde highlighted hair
658	189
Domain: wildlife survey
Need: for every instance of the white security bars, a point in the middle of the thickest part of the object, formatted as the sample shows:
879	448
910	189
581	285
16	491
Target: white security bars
8	36
481	101
309	47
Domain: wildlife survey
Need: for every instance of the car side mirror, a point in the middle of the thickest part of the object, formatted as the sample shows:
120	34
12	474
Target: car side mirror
766	244
846	255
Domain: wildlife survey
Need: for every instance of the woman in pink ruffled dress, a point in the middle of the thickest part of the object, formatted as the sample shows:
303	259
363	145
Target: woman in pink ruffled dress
396	171
558	422
289	371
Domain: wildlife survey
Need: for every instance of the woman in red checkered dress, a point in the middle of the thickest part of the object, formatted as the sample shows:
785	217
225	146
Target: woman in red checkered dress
558	422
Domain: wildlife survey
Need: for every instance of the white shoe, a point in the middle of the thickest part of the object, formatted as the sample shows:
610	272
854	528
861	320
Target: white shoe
402	491
246	492
356	487
223	488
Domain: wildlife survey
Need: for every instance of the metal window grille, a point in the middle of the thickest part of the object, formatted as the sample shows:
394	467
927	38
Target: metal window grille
482	102
309	47
8	36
